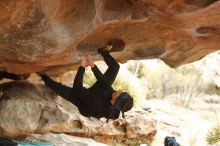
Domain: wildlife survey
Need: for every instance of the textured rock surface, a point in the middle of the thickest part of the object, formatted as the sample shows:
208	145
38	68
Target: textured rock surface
64	140
37	35
26	108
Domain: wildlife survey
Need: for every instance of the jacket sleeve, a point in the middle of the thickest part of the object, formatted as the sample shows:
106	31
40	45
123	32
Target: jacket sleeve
101	78
78	81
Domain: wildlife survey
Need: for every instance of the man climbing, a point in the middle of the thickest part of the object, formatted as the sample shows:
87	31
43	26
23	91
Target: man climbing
100	100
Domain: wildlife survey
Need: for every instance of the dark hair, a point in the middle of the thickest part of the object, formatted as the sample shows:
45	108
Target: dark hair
124	102
128	105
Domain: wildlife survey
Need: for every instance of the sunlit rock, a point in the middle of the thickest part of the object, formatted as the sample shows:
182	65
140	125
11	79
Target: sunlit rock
26	108
39	35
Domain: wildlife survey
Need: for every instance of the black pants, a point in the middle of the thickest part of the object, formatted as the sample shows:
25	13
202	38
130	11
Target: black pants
4	74
70	94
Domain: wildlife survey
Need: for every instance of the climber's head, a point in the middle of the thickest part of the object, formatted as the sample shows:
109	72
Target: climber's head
122	101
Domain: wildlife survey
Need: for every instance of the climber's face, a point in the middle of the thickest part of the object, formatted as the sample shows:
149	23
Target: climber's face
115	95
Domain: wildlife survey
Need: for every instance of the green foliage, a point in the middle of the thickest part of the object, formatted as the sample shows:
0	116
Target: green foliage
138	68
89	78
209	88
213	136
132	66
161	86
118	141
133	142
142	71
160	81
188	69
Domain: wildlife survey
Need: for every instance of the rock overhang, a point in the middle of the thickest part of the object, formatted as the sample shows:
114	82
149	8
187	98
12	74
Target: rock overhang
40	35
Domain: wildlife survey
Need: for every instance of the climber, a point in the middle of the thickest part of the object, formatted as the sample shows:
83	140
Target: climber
12	76
100	100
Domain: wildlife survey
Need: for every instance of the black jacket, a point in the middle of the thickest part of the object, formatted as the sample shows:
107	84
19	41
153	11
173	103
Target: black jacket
95	101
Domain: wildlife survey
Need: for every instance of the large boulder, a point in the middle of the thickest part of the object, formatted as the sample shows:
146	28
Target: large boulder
26	108
38	35
63	140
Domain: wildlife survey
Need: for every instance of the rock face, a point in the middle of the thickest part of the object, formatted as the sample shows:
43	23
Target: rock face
64	140
26	108
38	35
